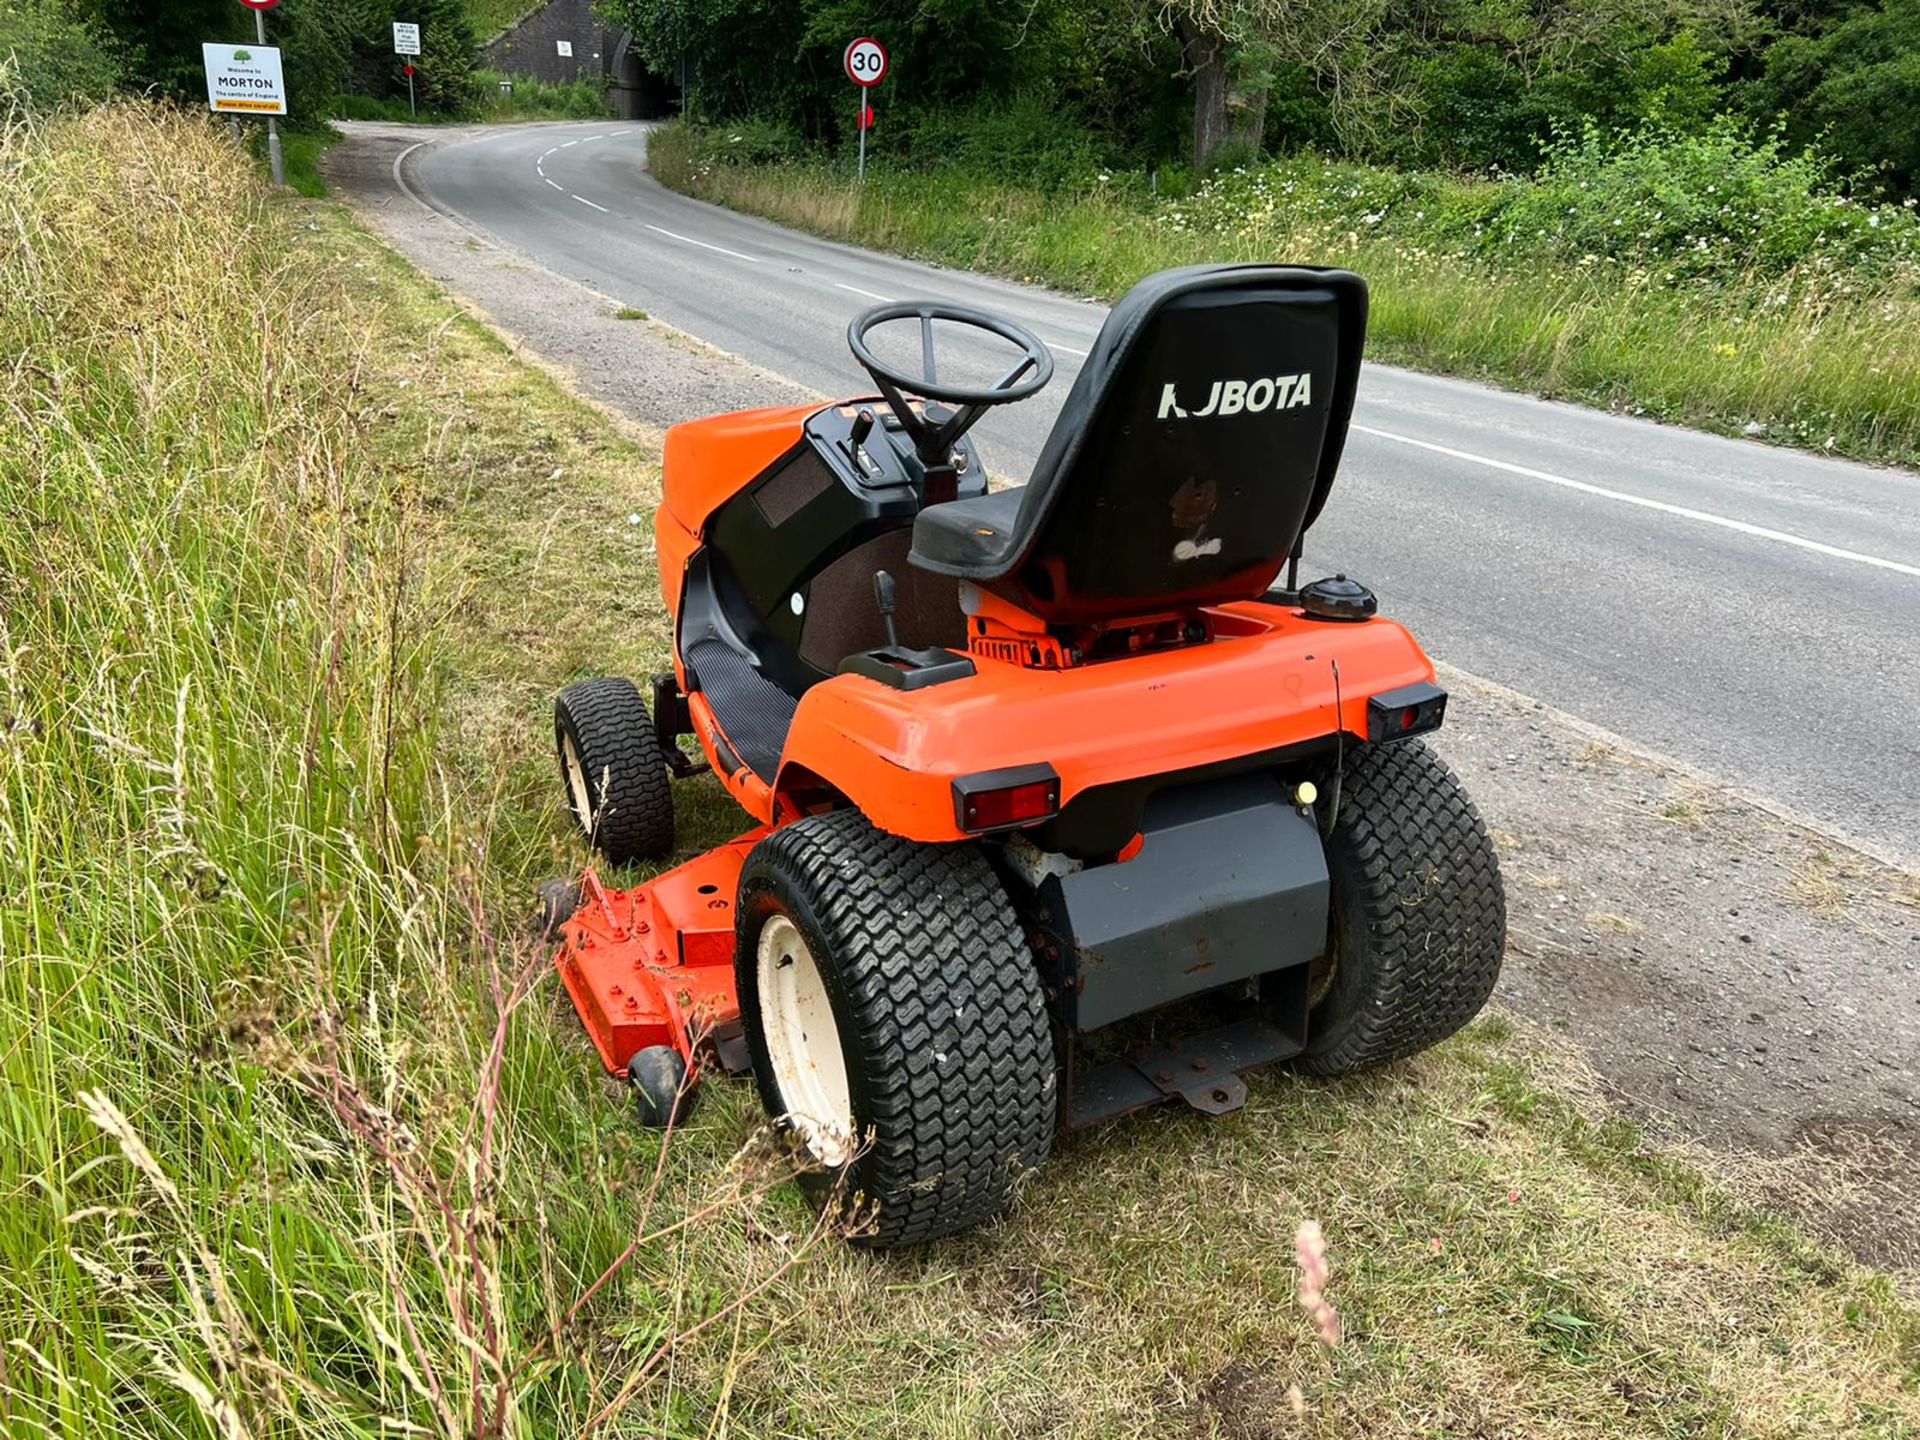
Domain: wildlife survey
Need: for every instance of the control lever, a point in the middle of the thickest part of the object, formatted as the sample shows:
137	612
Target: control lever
884	597
903	669
862	427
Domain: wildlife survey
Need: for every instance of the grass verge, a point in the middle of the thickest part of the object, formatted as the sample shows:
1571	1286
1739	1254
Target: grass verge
1700	322
300	1139
301	150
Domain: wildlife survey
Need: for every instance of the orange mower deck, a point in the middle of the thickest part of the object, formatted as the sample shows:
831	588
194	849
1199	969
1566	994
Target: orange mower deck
654	965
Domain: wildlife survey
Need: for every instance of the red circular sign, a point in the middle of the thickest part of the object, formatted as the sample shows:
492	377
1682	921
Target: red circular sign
866	61
407	70
260	4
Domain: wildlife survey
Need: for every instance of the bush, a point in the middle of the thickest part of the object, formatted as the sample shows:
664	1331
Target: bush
48	60
537	99
1717	204
1027	138
680	148
1854	85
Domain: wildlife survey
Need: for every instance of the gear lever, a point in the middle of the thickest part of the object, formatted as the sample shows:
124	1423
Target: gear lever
884	597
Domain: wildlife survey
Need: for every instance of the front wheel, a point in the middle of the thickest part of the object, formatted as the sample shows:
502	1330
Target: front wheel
614	771
1418	919
896	1023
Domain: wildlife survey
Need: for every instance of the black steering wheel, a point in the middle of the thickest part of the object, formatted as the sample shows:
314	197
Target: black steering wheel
934	437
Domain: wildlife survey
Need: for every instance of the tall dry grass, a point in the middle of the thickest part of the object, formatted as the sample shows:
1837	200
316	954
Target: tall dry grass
277	1142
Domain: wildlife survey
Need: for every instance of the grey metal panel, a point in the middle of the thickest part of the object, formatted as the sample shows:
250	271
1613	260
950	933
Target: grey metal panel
1204	1070
1230	883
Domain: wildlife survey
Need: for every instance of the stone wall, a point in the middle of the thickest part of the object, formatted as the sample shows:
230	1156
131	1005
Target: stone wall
600	56
532	48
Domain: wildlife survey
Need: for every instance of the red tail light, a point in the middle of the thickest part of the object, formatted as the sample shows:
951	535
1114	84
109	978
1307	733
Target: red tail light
1410	710
1002	799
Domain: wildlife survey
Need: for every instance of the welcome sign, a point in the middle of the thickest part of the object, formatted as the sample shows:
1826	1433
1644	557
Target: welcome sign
244	79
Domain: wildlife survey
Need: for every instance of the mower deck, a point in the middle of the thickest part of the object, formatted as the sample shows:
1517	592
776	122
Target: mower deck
654	965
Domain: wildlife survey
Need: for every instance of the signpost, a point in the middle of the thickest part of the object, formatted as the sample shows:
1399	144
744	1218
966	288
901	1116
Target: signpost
406	41
866	62
247	80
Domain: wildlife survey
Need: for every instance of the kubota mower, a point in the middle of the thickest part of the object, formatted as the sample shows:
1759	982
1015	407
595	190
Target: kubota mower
1027	764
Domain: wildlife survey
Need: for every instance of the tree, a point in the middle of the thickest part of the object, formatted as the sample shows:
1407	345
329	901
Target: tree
1233	48
161	45
49	58
1853	85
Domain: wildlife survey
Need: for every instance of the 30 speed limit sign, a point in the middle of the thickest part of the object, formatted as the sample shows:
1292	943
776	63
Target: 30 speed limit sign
866	61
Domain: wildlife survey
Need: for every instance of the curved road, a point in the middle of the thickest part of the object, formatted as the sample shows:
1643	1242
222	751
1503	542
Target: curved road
1750	611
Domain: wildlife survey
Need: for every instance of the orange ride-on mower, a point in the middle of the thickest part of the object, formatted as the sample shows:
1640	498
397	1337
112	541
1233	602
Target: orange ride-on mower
1024	765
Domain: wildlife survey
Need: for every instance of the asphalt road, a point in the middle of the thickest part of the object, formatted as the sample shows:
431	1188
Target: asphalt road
1747	610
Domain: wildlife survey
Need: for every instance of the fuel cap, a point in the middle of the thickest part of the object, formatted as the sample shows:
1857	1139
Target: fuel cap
1338	598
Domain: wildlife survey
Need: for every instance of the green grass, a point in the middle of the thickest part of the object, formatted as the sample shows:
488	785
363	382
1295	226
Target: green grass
490	17
1822	352
297	555
301	151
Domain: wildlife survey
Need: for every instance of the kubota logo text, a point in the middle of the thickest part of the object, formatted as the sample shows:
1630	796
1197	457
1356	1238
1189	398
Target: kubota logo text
1235	397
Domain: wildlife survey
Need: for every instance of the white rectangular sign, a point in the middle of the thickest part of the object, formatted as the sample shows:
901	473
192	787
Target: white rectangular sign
565	48
244	79
406	38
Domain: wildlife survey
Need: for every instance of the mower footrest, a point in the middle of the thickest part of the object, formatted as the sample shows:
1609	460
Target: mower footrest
1204	1070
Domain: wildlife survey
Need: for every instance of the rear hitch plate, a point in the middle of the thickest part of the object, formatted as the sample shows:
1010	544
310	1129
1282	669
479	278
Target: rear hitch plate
1204	1070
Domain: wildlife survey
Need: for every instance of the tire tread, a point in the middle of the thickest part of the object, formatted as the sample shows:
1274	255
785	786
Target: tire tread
1411	846
616	739
935	965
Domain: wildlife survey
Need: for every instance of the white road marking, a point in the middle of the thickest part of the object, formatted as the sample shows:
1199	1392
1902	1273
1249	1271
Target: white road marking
546	152
585	201
568	146
591	138
720	249
1065	349
618	133
556	184
1759	532
401	180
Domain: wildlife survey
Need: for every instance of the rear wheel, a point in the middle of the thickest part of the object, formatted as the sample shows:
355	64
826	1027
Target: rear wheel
896	1023
614	770
1418	919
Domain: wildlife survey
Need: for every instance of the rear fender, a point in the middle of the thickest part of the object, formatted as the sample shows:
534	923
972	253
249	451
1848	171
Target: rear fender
1275	682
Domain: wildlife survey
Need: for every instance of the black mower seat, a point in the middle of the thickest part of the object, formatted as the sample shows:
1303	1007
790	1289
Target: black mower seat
1195	448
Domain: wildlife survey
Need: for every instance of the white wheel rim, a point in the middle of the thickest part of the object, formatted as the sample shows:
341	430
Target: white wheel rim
803	1043
577	784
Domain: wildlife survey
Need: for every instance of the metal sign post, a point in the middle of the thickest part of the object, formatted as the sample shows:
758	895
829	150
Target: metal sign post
406	41
274	158
241	81
866	62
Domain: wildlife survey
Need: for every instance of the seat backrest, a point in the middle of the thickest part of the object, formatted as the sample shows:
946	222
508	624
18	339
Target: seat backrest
1198	443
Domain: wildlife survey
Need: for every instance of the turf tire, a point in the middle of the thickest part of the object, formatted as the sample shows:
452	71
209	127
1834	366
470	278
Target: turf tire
942	1022
1418	920
627	810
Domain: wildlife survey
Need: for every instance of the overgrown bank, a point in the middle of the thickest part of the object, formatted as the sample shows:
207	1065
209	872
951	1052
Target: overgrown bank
1706	279
306	552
